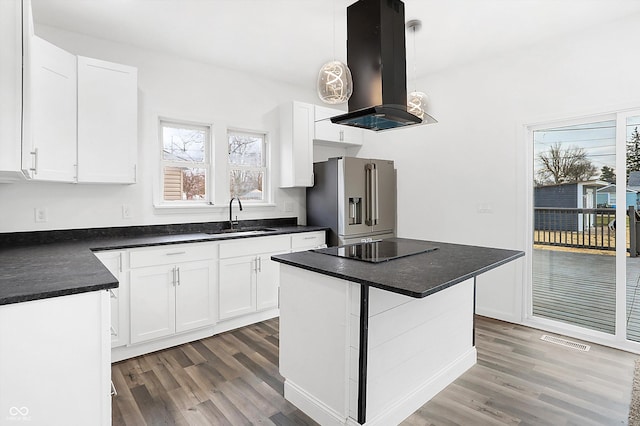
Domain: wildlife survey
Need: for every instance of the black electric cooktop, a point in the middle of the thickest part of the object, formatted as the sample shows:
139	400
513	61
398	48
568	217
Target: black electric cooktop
379	251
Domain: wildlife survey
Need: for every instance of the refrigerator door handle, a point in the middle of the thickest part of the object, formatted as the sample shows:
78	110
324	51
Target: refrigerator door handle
376	210
368	190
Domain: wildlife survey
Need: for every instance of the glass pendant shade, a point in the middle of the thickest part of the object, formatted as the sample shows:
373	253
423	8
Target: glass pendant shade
417	104
334	83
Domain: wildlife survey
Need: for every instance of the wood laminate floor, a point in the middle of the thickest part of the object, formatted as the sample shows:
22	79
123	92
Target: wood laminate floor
232	379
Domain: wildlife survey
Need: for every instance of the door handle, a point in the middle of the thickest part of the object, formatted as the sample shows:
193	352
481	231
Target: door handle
178	274
368	183
376	214
34	169
173	279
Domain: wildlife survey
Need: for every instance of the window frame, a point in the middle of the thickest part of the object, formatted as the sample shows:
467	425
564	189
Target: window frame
207	164
265	168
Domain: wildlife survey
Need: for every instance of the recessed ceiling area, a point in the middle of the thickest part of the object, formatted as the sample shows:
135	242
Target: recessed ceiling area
288	40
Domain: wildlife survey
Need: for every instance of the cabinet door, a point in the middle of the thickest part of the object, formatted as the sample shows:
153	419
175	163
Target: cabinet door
296	145
152	302
268	282
52	101
195	295
112	260
11	48
107	121
337	134
237	286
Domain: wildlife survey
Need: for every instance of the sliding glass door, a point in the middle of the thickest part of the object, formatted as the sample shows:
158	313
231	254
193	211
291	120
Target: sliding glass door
585	256
630	127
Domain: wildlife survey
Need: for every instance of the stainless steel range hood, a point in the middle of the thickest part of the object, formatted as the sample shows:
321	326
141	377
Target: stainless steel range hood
377	59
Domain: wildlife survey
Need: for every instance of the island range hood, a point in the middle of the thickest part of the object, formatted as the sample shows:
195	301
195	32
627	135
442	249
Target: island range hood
376	57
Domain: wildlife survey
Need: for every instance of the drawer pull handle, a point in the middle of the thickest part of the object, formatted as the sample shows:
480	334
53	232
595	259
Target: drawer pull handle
309	238
176	252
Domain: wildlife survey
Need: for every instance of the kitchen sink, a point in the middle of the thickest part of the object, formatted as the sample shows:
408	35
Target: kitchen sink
243	231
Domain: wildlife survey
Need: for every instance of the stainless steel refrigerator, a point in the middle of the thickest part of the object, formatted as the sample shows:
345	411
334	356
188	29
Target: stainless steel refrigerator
355	197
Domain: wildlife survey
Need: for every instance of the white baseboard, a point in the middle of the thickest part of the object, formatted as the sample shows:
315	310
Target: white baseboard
129	351
312	407
396	413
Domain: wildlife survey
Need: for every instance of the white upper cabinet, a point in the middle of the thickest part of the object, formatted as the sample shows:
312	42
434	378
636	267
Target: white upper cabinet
107	121
11	90
335	134
63	118
52	104
296	145
301	125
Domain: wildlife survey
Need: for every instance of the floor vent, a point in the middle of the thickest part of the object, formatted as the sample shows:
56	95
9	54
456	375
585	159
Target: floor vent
574	345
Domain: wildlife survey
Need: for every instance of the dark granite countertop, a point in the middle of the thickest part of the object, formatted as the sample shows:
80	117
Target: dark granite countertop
417	275
46	264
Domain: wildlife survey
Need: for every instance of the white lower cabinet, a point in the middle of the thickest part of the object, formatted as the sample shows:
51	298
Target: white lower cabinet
173	294
55	361
114	262
171	290
170	299
268	283
249	279
248	284
308	240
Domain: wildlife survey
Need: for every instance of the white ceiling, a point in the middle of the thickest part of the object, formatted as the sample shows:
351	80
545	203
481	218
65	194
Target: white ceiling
288	40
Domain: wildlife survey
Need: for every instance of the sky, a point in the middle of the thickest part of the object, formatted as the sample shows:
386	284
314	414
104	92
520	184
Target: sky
598	139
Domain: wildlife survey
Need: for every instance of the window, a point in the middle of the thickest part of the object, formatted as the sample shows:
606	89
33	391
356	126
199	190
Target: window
247	166
186	167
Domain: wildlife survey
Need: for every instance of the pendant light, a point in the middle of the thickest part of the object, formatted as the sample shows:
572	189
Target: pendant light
416	101
335	84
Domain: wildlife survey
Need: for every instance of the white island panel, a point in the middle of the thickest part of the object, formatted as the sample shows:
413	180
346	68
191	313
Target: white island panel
314	341
416	346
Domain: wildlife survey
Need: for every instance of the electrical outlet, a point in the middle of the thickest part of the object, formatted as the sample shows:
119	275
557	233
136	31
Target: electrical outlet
40	214
485	208
126	211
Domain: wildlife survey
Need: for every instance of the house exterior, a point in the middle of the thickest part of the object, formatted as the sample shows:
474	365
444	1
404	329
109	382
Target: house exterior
575	195
606	197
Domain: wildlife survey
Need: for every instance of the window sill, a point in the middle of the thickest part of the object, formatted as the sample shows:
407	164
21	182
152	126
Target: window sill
185	208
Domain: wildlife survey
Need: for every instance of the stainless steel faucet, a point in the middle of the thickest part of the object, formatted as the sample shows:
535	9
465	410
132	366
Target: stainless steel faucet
233	223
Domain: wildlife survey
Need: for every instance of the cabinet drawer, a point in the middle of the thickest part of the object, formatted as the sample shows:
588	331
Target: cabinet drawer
307	240
251	246
173	253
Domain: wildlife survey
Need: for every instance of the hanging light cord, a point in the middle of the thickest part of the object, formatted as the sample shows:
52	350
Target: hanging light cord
415	58
333	12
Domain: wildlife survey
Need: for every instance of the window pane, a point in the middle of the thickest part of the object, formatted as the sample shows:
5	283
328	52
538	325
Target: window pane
184	183
574	263
246	149
183	144
247	185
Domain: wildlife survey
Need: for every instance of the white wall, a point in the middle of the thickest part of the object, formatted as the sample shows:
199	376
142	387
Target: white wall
169	86
476	158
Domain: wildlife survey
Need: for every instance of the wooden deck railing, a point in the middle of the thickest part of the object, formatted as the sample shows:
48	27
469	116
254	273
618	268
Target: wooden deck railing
575	227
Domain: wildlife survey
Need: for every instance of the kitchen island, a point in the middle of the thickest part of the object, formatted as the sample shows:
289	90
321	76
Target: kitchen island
369	343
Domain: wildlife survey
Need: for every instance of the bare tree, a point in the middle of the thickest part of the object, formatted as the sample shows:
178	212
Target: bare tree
563	165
